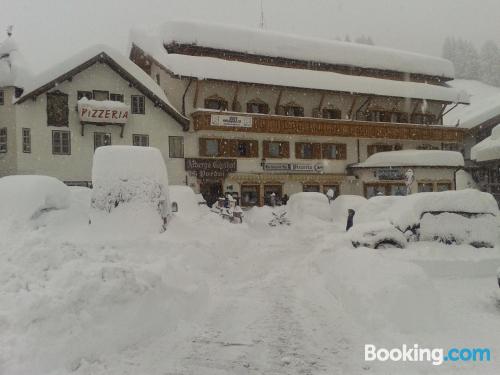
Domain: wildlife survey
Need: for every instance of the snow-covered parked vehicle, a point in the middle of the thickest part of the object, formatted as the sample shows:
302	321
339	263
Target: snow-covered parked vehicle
452	217
132	180
308	204
377	235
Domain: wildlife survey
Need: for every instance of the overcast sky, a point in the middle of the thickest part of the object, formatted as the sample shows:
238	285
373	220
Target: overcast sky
49	30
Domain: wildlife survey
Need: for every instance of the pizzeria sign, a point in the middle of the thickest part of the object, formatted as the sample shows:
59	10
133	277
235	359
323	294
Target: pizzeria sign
102	112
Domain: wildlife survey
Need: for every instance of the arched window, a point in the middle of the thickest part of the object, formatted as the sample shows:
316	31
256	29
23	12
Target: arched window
257	106
216	102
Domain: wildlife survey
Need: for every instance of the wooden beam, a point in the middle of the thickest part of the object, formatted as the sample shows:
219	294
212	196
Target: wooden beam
196	93
354	101
278	101
415	109
320	105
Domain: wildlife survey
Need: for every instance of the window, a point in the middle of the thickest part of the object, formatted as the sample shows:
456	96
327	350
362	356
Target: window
26	140
116	97
101	139
140	140
3	140
242	148
176	147
450	147
57	109
331	113
2	97
373	149
269	198
294	110
375	189
209	147
427	147
307	150
424	187
101	95
276	149
257	106
399	117
245	149
61	142
250	195
84	94
443	186
138	104
311	188
334	151
379	116
216	103
426	119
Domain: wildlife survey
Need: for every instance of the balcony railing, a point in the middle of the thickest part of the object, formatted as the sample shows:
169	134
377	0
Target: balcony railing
331	128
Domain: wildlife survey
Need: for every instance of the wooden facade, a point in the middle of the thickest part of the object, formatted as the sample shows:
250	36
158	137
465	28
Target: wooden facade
333	128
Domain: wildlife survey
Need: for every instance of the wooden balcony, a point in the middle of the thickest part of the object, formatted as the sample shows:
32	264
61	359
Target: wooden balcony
273	124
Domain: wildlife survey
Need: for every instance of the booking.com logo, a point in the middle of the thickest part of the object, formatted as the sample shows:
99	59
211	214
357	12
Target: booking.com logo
437	356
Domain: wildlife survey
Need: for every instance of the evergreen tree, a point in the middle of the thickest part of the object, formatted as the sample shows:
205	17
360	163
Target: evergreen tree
490	63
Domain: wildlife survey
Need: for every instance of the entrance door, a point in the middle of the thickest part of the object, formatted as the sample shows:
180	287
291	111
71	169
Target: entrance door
211	191
268	190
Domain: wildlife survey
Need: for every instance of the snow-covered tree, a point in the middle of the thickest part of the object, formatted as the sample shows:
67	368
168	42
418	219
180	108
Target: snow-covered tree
464	56
490	63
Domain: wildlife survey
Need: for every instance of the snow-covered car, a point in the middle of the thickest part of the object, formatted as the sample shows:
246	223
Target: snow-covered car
308	204
133	177
377	235
452	217
185	200
342	204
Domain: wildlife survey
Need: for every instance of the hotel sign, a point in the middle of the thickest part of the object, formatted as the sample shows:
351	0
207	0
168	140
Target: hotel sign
390	174
105	112
210	168
296	168
231	121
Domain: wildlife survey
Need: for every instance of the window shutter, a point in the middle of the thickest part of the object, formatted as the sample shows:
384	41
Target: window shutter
57	109
342	151
228	147
265	151
285	149
316	150
298	150
254	149
203	146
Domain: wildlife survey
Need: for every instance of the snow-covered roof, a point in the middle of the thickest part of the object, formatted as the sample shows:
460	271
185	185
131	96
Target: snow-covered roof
278	44
85	58
237	71
13	68
489	148
484	104
413	158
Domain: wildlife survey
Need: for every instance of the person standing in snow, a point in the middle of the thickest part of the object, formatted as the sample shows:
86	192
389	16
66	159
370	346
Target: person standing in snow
284	199
272	200
350	219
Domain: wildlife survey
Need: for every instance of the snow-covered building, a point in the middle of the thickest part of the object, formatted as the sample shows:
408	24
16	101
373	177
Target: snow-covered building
97	97
486	154
277	113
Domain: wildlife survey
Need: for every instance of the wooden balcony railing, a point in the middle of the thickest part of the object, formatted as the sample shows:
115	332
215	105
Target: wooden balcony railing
330	128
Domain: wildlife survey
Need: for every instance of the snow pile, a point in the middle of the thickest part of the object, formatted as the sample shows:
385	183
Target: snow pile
277	44
380	292
464	180
484	104
489	148
236	71
406	212
187	201
13	68
413	158
375	234
481	230
343	203
24	198
130	180
307	204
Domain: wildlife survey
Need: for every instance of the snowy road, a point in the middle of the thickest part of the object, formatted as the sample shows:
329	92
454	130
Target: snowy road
208	297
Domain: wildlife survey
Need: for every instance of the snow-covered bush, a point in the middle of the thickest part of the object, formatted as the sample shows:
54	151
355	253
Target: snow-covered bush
308	204
23	198
343	203
130	176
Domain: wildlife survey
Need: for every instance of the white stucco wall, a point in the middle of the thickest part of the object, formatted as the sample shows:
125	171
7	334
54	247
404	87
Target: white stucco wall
8	120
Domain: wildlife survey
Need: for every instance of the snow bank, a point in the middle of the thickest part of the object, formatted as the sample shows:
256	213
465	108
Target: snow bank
464	180
381	292
414	158
302	205
130	180
343	203
23	198
489	148
406	212
376	233
278	44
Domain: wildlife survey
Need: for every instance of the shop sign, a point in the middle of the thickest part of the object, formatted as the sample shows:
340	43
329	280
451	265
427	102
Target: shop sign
210	168
291	167
389	174
102	112
231	121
